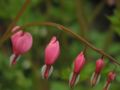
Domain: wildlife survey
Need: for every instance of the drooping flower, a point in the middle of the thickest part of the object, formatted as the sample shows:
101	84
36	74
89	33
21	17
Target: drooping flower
78	65
96	75
52	52
110	78
21	43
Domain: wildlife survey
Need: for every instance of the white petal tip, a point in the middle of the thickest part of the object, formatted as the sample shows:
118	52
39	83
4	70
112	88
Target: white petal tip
13	59
95	79
73	79
46	71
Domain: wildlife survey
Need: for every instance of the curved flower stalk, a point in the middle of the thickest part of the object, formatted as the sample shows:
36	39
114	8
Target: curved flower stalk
52	52
78	65
111	77
21	43
96	75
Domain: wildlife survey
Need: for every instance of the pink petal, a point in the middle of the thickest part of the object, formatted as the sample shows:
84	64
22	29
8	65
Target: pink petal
52	52
23	43
79	62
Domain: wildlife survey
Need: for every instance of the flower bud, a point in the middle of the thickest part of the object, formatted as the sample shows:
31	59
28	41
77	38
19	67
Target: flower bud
96	75
99	65
78	65
110	78
21	43
52	52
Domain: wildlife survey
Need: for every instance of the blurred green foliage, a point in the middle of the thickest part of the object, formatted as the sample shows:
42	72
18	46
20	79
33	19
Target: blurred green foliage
115	19
26	74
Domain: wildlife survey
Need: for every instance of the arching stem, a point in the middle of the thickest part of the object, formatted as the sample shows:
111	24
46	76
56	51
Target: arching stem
76	36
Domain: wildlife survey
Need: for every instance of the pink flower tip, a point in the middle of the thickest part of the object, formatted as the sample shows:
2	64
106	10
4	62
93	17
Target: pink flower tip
52	51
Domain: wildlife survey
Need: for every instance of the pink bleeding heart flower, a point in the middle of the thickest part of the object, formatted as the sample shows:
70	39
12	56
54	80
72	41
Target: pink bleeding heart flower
110	78
78	65
52	52
21	43
96	75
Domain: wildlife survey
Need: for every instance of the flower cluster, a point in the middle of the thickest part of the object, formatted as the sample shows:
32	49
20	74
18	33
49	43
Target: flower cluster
22	42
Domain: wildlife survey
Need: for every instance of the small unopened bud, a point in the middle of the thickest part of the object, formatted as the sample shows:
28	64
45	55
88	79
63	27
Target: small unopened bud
78	65
96	75
110	78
